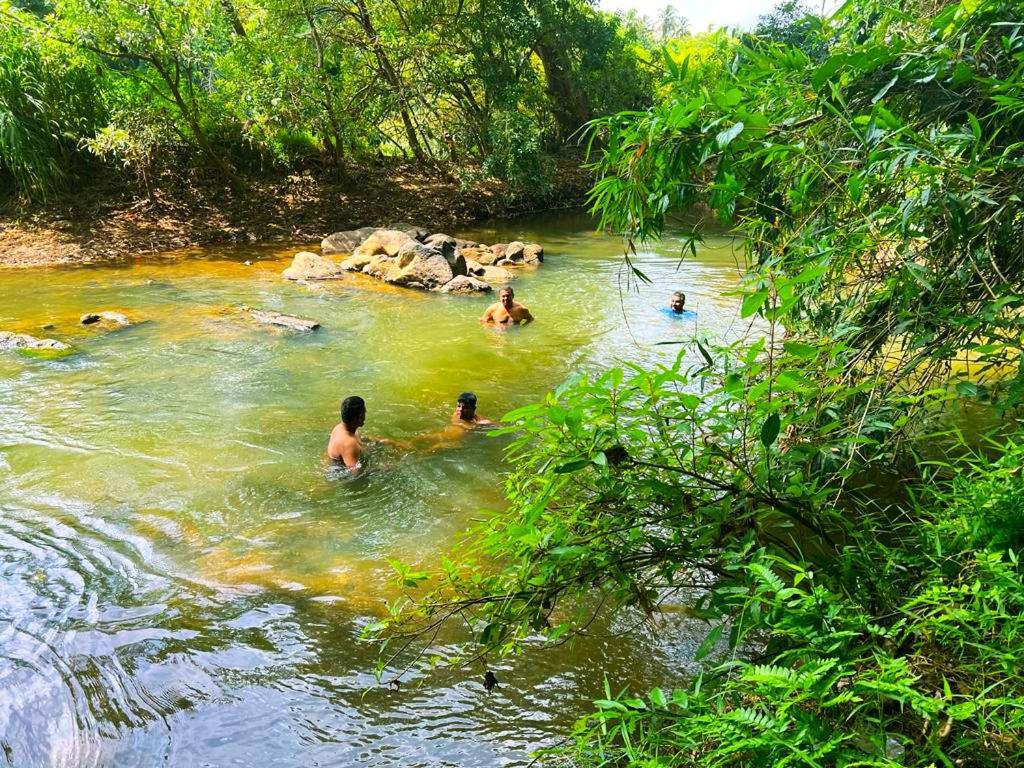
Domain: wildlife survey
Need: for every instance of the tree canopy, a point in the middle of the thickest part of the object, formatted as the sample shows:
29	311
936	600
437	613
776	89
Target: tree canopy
237	84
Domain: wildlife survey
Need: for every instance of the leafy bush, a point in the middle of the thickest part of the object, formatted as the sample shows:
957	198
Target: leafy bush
516	153
46	103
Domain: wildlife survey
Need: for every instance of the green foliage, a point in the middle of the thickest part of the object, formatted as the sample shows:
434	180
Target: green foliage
803	490
46	103
516	154
243	84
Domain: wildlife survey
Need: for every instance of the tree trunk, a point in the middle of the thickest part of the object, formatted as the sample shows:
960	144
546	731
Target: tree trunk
392	79
569	104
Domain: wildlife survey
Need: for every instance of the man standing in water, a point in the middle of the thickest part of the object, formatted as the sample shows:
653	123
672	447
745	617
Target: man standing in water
677	307
344	445
507	311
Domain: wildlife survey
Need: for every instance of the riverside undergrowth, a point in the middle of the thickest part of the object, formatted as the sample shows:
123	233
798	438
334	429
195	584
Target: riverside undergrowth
808	491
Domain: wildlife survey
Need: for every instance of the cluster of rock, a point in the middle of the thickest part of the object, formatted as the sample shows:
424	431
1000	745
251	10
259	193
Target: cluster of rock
408	256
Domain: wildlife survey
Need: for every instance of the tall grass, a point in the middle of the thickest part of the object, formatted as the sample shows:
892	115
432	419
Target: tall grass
47	105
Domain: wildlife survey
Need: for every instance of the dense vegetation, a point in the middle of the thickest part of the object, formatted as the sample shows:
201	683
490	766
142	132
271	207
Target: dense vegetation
242	85
840	495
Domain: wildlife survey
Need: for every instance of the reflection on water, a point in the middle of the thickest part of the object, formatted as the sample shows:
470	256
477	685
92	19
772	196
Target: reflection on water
183	578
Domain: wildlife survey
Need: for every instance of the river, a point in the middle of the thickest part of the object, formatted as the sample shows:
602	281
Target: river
182	579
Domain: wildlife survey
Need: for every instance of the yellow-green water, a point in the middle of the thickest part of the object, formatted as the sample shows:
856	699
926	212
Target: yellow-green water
183	580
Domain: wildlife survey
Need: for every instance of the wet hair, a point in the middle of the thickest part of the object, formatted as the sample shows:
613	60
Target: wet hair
467	398
509	289
352	408
680	294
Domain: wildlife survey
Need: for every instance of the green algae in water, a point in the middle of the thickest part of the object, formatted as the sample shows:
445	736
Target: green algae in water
45	353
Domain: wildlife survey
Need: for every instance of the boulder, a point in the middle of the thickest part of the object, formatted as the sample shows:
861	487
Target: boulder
309	266
383	241
466	284
460	243
379	266
453	256
345	242
479	255
116	318
416	233
474	268
355	262
285	321
10	340
420	266
502	262
498	249
439	238
497	275
514	252
533	254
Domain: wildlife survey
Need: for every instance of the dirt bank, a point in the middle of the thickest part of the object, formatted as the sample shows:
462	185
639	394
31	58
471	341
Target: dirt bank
109	219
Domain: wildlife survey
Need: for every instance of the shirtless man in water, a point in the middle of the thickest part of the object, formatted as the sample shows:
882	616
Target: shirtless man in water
344	445
464	420
465	415
507	311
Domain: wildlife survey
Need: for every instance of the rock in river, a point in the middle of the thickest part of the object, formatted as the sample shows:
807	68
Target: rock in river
416	233
268	317
345	242
10	340
420	266
89	318
309	266
466	284
383	242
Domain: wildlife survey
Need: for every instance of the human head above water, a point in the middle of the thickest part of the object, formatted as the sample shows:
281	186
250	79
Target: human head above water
465	406
506	295
677	301
353	411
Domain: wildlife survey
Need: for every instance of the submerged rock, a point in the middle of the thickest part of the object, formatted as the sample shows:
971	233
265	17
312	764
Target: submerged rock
268	317
117	318
466	284
309	266
345	242
10	340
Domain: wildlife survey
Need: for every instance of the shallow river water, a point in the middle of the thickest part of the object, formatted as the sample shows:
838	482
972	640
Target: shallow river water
183	580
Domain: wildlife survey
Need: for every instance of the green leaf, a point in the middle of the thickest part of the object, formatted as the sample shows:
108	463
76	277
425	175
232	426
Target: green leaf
571	466
752	302
770	430
724	138
709	643
799	349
